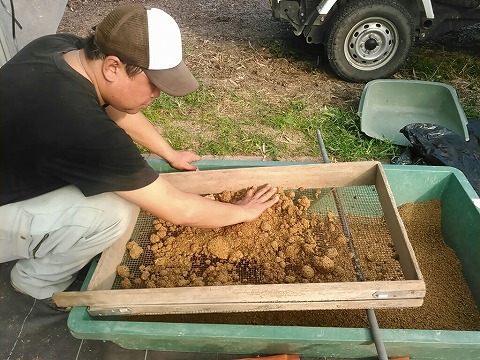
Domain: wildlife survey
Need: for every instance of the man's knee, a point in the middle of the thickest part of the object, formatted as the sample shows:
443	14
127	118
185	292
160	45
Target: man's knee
116	210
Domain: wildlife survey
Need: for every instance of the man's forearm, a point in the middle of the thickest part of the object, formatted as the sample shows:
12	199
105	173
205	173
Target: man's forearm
165	201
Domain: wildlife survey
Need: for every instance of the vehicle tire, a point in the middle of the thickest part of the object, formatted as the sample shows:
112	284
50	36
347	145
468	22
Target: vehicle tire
369	39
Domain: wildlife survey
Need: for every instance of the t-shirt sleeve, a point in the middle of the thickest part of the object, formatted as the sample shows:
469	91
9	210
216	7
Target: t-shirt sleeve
101	164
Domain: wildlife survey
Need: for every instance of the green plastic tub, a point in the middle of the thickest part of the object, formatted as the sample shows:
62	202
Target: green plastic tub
461	230
387	105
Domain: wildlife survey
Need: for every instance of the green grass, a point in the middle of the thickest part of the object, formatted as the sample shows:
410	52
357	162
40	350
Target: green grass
435	65
263	131
343	139
218	122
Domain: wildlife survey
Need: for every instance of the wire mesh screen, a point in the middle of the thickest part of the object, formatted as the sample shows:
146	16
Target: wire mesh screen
357	209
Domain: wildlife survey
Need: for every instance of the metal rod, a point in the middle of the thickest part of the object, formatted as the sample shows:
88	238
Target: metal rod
341	213
377	337
374	328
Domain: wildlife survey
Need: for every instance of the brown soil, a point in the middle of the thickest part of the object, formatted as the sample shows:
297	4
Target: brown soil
286	244
448	304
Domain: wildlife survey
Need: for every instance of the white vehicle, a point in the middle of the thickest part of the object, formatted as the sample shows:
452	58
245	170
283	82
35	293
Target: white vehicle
371	39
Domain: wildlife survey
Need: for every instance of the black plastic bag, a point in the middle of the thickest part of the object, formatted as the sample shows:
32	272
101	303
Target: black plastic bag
408	157
437	145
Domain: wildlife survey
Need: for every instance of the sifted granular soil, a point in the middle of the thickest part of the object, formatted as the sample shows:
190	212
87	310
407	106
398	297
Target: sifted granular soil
448	304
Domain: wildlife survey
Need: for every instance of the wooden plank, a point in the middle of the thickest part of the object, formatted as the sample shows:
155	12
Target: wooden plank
403	247
290	176
149	309
312	292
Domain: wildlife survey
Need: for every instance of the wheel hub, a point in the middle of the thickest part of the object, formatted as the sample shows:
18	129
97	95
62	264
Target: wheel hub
371	43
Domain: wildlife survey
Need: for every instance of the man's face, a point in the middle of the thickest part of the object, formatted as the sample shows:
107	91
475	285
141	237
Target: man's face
131	94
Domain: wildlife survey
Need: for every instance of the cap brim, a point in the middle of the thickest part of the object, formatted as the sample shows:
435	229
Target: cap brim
177	81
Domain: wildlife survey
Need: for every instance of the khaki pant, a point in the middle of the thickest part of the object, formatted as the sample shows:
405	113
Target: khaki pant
56	234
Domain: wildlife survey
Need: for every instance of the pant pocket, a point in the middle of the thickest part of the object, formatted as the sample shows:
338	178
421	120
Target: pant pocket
61	230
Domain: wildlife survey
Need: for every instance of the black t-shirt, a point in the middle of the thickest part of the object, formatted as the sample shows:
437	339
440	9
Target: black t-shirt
54	131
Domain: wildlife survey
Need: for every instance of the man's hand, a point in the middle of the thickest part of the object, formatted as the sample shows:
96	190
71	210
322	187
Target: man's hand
257	200
182	160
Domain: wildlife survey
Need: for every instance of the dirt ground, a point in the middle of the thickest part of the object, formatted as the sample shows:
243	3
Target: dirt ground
236	44
240	45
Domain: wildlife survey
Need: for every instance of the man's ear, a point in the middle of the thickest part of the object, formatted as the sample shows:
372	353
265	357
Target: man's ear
111	67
